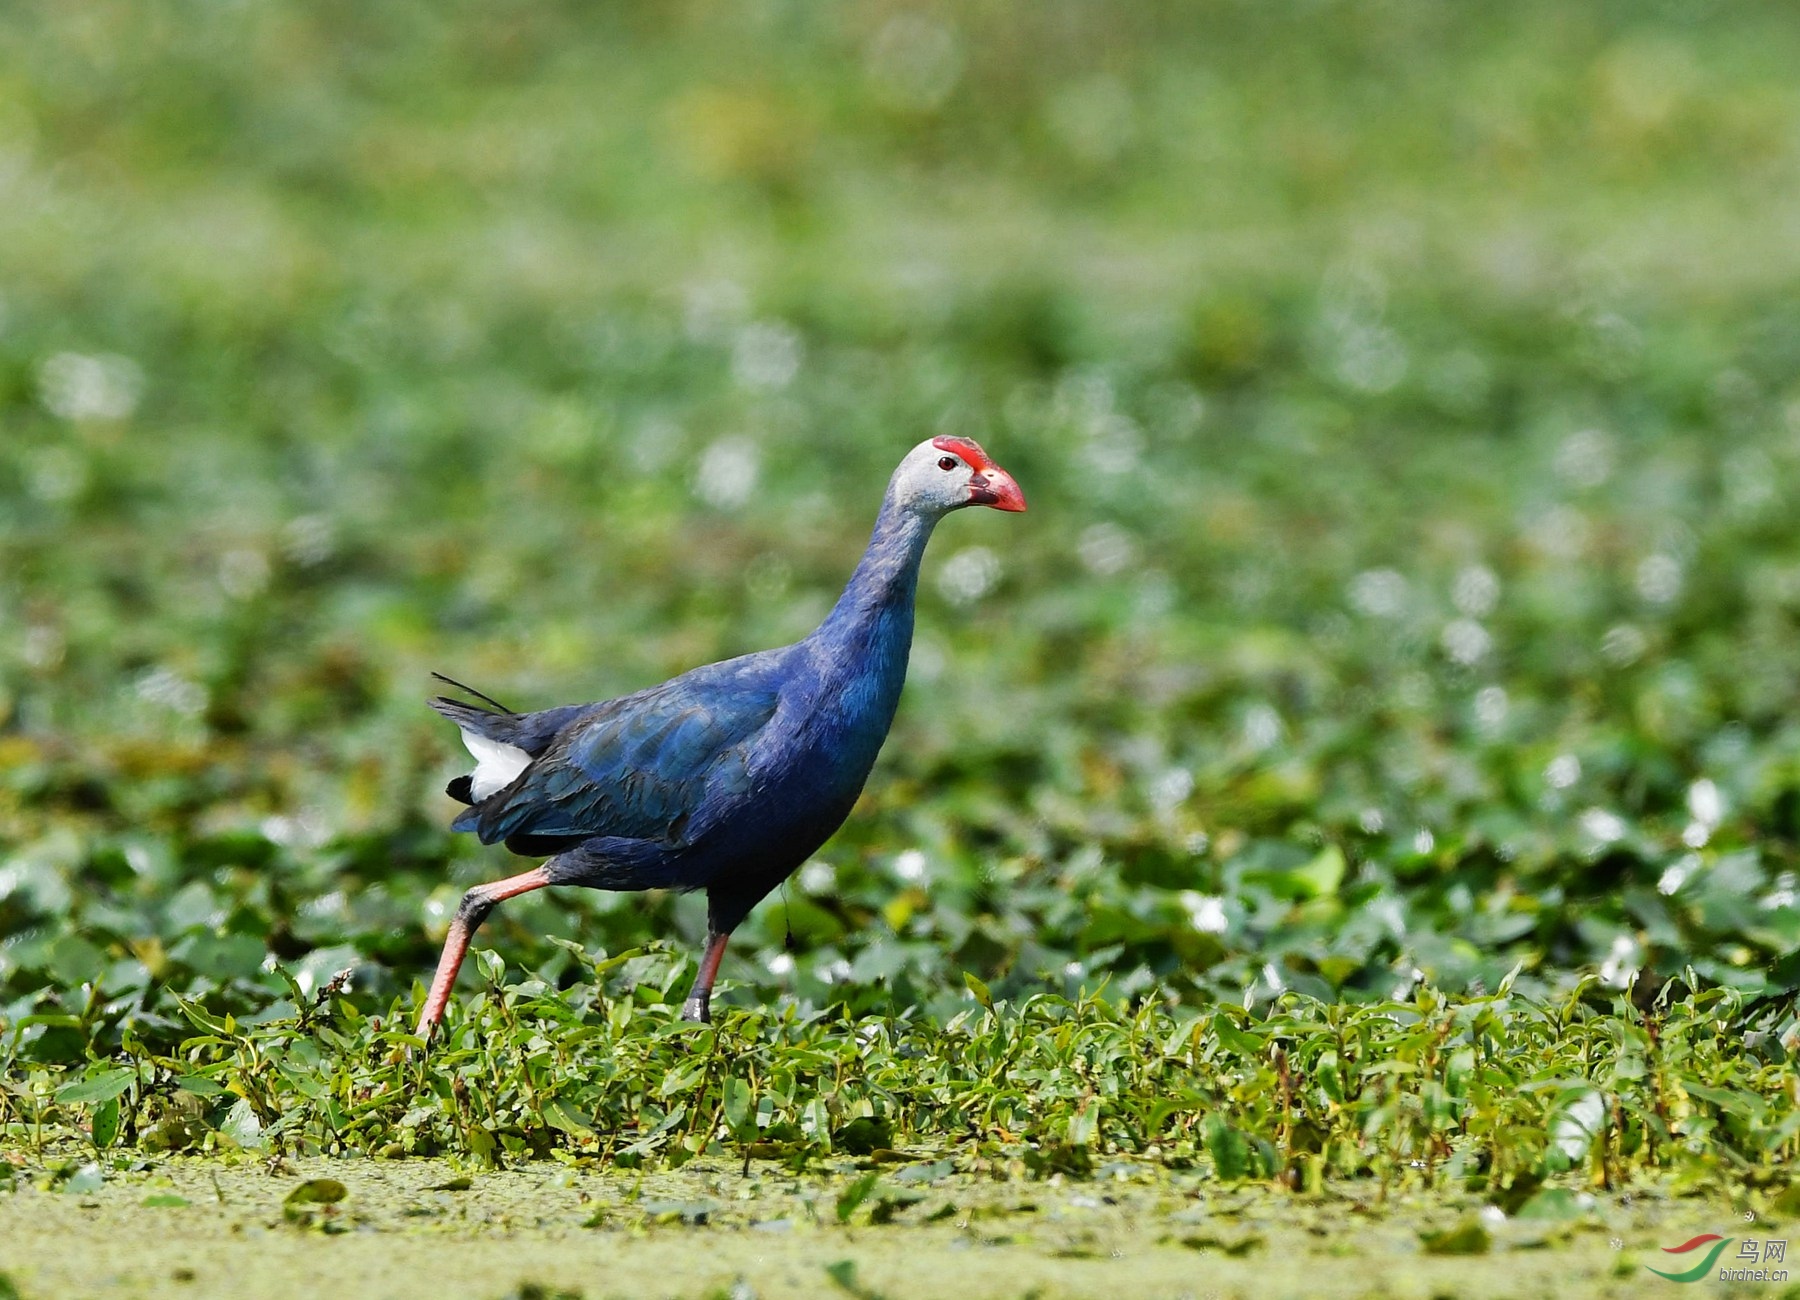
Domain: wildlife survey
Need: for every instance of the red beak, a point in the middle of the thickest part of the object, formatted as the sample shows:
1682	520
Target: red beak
994	487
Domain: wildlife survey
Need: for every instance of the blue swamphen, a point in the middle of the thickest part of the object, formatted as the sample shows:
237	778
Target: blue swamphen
727	777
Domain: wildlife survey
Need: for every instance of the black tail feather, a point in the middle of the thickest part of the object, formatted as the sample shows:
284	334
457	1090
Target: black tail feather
462	789
451	681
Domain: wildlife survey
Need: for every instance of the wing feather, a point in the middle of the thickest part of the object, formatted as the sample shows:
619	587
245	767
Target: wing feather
643	766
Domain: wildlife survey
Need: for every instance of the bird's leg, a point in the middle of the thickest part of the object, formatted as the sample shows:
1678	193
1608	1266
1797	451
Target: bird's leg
699	1003
470	913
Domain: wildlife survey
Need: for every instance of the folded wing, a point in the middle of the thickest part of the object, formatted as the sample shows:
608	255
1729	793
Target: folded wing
644	766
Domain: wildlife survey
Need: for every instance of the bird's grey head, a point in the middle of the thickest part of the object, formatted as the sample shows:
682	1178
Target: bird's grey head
945	474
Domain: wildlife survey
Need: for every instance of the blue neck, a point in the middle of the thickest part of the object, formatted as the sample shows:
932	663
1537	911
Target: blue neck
869	630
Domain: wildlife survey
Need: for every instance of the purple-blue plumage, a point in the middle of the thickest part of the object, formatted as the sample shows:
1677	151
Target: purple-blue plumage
727	777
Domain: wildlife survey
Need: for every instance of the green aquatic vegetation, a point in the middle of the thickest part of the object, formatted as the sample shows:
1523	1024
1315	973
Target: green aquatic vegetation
1494	1094
708	1230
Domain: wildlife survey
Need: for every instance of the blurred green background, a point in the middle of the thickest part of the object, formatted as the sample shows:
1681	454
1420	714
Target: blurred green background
1407	396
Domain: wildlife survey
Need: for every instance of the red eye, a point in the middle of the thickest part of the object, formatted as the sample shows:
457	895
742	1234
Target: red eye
947	462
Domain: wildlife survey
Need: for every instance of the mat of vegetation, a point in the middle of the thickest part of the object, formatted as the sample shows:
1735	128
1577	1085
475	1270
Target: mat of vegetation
1372	761
156	1227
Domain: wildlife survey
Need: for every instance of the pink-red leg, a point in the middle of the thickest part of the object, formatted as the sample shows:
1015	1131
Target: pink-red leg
699	1002
470	913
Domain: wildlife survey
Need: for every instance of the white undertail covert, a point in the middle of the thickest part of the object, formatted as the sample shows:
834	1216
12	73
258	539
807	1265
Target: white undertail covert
497	765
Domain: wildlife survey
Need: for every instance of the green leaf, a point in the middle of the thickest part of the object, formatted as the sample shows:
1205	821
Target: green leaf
1509	979
96	1088
1316	878
891	1204
1740	1103
560	1115
242	1125
697	1213
843	1274
199	1017
979	989
1229	1149
104	1128
1084	1123
1236	1247
164	1200
931	1173
310	1195
1551	1203
481	1144
1466	1238
863	1135
1323	874
740	1106
1235	1040
85	1180
1180	1038
855	1194
317	1191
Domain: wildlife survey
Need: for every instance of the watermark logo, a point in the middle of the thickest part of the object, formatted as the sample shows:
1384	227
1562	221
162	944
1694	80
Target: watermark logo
1701	1269
1751	1260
